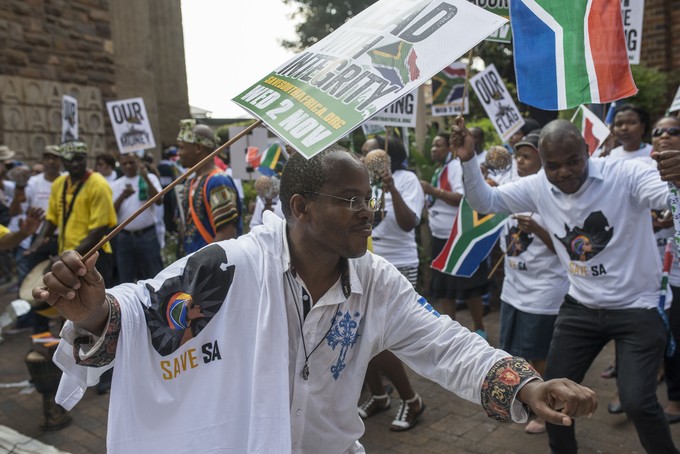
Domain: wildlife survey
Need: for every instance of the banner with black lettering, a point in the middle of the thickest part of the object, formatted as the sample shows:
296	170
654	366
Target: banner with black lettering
378	56
130	125
497	102
633	12
401	112
69	118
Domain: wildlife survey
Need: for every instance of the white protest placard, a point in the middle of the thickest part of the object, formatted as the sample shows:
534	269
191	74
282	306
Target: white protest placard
401	112
238	150
502	8
675	105
497	102
130	125
448	88
633	12
375	58
69	118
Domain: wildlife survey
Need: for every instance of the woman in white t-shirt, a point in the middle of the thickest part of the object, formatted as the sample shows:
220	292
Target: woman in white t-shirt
535	281
445	192
666	136
631	124
394	239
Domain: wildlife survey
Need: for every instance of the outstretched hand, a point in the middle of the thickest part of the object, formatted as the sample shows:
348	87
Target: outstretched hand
461	141
76	290
559	400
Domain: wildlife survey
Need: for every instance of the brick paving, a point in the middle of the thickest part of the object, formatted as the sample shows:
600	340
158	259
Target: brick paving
449	423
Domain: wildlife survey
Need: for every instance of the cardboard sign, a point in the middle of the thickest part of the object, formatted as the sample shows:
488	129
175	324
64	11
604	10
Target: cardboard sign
378	56
675	105
633	12
130	125
502	8
401	112
497	102
448	87
69	118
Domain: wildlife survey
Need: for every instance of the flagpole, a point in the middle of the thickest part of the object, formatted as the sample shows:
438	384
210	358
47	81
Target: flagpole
169	188
467	80
573	117
465	90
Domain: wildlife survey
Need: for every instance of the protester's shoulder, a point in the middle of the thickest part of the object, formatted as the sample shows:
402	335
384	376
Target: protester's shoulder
35	180
623	167
60	181
97	179
221	179
370	266
405	177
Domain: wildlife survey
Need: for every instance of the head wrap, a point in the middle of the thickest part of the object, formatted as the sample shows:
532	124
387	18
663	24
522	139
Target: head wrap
69	149
190	132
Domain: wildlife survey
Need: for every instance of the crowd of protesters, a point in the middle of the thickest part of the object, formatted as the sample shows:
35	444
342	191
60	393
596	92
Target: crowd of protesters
548	250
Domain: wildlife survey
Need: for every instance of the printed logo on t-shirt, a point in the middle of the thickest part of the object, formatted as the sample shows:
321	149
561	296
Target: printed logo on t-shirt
517	241
185	304
584	243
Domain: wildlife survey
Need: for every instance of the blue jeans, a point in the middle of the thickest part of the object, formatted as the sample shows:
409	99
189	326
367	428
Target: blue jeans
138	255
640	336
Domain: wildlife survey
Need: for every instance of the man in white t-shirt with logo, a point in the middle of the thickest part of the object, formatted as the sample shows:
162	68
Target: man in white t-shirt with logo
138	251
597	212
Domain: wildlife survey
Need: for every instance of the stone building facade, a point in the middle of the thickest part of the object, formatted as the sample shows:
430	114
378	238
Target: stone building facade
95	51
661	36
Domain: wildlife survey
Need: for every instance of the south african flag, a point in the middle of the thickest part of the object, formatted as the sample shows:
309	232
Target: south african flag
471	240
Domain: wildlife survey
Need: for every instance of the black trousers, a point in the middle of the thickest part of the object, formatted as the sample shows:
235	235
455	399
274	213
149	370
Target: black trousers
640	336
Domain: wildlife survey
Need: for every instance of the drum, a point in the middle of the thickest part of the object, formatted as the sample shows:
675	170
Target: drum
35	279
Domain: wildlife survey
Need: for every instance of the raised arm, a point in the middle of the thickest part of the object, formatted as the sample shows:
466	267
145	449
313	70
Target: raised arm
509	198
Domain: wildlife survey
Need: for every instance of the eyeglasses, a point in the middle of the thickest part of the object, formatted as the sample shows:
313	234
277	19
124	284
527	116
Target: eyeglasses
356	203
673	131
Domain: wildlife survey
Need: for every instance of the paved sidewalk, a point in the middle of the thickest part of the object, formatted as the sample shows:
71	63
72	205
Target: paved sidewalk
449	424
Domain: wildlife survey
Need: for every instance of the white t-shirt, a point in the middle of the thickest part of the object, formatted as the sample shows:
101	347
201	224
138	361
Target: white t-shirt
38	191
110	178
131	204
389	240
535	281
249	394
643	152
441	215
256	219
662	236
602	233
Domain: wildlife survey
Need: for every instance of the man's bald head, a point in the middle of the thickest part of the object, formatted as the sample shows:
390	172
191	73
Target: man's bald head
559	131
564	155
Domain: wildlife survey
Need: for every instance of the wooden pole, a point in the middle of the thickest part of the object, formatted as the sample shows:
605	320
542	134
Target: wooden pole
169	188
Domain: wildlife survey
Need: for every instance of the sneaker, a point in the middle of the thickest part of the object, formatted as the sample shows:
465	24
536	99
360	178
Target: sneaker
483	334
408	414
374	405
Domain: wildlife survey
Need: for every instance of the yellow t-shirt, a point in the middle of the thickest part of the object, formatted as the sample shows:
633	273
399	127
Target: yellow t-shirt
93	208
3	230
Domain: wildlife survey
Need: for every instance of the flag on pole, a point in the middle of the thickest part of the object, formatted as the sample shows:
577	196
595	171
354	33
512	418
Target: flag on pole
593	130
264	161
471	240
582	57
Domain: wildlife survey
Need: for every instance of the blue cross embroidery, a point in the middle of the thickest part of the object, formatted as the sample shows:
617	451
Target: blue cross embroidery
344	334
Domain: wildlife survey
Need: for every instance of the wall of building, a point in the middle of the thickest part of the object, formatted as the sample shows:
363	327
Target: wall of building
96	51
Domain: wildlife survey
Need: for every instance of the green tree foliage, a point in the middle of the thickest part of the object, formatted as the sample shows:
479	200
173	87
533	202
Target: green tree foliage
318	18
